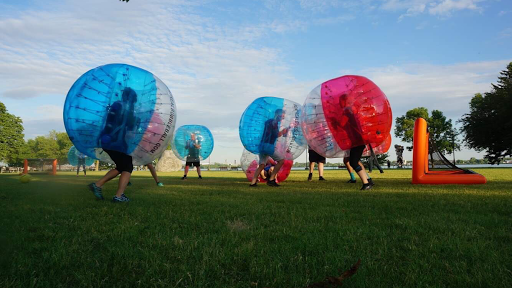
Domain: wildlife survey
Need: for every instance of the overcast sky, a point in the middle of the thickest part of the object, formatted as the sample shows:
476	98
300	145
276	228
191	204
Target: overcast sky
217	56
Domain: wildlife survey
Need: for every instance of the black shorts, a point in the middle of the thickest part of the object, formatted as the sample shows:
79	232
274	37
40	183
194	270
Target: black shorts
315	157
123	161
195	164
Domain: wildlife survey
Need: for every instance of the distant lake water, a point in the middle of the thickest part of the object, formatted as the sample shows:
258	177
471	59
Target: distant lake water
465	166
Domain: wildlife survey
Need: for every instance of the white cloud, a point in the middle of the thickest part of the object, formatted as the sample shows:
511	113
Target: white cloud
448	88
445	7
433	7
214	71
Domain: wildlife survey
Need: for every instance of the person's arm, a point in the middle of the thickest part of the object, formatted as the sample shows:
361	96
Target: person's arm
283	132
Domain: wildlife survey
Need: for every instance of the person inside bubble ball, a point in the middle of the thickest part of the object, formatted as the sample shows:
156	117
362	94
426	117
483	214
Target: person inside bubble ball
194	148
268	169
350	125
120	120
81	162
270	134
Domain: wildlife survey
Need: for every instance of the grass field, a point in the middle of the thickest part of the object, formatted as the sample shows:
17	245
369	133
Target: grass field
218	232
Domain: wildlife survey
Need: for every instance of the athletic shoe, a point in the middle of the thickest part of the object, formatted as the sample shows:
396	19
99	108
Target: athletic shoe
351	181
184	178
160	184
253	185
96	191
366	186
321	178
123	198
310	176
370	181
273	183
200	177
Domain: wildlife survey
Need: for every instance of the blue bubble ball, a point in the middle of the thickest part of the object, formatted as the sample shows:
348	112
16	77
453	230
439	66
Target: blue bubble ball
76	158
122	108
192	143
271	126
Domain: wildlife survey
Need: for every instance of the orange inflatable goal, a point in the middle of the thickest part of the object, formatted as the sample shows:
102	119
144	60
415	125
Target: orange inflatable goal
429	166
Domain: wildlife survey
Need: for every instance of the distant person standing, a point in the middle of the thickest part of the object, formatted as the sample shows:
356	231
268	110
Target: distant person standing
320	160
194	148
81	162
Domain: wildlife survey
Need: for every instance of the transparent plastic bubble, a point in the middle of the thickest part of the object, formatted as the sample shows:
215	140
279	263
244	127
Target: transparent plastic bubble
249	163
122	108
346	112
192	143
75	158
271	126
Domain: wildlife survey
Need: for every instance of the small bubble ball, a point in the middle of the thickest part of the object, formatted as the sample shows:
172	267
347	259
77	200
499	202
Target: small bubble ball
76	158
192	143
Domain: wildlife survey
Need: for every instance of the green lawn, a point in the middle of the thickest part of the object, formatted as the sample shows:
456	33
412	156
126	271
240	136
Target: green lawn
218	232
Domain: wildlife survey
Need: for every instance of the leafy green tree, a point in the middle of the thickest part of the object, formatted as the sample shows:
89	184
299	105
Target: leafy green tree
404	128
382	158
440	129
45	147
26	152
63	143
488	125
11	134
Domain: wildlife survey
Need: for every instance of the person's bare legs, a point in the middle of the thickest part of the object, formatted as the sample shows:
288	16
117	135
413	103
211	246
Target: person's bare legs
262	174
198	168
346	161
320	169
257	173
276	170
123	182
153	172
109	176
355	162
311	169
351	170
362	175
186	170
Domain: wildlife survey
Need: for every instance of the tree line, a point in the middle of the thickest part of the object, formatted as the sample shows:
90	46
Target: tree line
487	127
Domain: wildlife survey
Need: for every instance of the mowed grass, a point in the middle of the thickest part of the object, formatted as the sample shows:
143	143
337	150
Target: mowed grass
219	232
